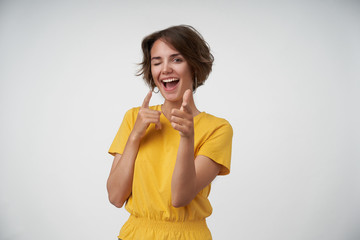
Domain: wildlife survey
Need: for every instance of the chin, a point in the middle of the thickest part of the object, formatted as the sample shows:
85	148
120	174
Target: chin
172	97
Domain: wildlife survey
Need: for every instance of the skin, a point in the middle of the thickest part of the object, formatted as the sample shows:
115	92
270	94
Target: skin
190	175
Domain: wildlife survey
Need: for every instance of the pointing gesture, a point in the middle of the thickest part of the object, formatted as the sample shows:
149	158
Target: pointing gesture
145	117
147	100
186	99
182	119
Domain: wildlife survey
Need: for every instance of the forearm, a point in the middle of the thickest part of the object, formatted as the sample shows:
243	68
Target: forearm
183	183
119	184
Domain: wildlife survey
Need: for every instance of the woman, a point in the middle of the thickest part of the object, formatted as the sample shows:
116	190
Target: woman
166	156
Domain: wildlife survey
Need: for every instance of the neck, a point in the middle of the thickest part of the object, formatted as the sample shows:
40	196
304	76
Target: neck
168	106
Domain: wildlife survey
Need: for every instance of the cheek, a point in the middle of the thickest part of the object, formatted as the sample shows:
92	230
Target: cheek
154	71
188	73
154	75
187	70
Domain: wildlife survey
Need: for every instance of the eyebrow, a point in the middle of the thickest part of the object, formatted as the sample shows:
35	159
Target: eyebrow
172	55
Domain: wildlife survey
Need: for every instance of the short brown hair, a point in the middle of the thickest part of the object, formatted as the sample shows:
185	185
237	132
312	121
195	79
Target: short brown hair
191	45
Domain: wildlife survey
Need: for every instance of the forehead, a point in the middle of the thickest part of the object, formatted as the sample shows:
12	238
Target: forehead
162	48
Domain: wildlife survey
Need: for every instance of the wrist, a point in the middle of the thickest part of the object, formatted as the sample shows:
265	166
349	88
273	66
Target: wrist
134	137
187	138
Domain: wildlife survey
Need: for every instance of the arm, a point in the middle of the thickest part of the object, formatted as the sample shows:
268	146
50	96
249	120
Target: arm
119	183
190	176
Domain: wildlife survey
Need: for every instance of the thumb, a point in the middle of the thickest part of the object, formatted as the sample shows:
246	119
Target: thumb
158	125
147	100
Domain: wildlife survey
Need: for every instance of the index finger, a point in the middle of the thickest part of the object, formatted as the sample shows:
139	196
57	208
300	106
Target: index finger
147	100
186	99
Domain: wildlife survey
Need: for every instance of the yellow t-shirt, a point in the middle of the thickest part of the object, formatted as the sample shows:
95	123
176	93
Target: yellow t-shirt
152	215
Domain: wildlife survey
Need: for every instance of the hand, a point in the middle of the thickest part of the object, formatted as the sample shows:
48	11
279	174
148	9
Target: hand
182	119
145	117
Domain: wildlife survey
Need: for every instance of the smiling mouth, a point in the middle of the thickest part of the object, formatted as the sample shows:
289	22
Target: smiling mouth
170	84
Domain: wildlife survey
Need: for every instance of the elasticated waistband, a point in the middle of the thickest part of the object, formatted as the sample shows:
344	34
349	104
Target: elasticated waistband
167	225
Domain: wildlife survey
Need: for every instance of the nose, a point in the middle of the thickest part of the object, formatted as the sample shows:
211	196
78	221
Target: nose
166	68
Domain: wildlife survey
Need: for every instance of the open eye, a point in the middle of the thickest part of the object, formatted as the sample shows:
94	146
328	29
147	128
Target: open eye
177	60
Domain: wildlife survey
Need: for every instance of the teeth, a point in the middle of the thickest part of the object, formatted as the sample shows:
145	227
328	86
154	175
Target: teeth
170	80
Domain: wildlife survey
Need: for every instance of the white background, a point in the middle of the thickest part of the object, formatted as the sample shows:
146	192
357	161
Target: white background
286	76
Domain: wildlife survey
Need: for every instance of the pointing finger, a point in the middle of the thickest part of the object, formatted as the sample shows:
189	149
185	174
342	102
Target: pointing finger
187	98
147	100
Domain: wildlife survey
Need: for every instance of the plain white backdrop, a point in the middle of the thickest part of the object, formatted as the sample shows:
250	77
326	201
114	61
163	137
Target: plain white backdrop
286	76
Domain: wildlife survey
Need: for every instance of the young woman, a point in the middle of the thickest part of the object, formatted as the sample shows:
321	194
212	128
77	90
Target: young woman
166	156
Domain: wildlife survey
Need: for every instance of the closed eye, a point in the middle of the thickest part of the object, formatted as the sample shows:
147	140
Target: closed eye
156	62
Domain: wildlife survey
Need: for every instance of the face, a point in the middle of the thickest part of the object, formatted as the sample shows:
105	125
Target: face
170	71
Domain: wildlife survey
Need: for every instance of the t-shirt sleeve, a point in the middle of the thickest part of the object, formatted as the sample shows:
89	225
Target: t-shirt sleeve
218	147
123	133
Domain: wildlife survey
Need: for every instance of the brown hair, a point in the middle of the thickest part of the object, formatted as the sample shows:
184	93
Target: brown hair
191	45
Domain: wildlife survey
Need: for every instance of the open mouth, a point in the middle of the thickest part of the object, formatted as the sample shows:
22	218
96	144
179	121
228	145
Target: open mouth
170	84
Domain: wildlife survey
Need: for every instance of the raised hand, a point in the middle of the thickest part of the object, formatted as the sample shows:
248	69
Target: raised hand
145	117
182	119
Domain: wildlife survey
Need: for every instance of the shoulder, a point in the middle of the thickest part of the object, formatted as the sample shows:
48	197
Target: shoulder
210	123
131	113
211	120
